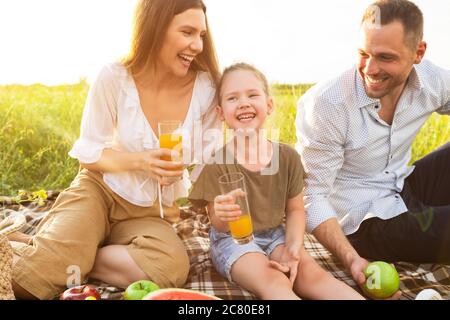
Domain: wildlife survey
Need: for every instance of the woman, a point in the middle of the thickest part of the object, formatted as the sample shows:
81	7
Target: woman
107	223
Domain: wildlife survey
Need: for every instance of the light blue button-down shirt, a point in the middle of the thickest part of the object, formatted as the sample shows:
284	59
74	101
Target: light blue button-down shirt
355	162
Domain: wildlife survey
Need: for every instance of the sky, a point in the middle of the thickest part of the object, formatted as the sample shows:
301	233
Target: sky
291	41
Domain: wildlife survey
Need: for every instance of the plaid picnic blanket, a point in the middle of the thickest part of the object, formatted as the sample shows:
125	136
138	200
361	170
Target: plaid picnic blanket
193	230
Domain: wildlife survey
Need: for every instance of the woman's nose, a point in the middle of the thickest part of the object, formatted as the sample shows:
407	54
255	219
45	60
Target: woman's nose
197	44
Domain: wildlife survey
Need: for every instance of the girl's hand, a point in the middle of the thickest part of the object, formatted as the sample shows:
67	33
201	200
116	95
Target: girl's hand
225	207
289	261
165	172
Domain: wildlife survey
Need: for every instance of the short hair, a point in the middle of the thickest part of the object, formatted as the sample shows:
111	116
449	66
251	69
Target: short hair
403	11
242	66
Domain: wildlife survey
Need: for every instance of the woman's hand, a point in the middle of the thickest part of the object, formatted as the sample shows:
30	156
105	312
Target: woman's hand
165	172
225	207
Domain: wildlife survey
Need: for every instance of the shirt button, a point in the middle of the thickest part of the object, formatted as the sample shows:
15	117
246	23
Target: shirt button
386	172
391	156
377	107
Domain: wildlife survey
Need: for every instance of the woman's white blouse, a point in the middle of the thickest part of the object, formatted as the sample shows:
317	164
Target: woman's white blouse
113	118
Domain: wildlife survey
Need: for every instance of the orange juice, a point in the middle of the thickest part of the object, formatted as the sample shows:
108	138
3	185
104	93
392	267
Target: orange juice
171	141
241	228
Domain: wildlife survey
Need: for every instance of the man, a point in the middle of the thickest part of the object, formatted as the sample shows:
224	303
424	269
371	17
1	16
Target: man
355	134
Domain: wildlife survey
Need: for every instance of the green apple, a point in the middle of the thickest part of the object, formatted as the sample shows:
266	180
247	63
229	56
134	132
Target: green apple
382	280
137	290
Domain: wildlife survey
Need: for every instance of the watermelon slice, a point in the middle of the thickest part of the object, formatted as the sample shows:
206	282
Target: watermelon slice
178	294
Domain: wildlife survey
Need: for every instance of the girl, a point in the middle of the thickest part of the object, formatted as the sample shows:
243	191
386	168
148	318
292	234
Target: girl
275	265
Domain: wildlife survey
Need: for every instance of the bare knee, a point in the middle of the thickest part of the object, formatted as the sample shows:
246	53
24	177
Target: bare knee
259	277
276	286
310	273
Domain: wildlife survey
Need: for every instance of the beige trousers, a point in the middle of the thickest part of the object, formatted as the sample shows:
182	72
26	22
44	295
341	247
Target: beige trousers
87	216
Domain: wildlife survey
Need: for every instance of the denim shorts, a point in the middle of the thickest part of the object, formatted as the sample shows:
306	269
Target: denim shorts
225	252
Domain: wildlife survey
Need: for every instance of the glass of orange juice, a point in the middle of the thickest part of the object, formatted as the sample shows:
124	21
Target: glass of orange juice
171	137
242	229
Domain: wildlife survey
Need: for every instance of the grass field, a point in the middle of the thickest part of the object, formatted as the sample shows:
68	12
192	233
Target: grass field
39	124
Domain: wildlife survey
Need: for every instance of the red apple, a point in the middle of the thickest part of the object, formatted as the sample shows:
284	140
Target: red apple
80	293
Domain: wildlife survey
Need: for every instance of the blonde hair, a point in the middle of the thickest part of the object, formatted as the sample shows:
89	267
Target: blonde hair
242	66
151	21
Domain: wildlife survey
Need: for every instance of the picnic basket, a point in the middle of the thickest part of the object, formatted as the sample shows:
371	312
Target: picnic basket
7	226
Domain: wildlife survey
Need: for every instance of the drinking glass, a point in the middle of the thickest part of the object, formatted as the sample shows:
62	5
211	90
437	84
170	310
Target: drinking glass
242	229
170	137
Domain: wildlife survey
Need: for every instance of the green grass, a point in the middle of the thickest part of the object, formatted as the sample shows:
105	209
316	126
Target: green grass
39	124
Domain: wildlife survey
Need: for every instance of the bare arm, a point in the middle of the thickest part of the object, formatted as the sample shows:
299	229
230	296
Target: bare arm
147	161
322	140
331	236
288	259
295	222
116	161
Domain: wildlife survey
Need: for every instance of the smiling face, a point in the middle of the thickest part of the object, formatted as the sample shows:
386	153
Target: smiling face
386	59
183	42
244	104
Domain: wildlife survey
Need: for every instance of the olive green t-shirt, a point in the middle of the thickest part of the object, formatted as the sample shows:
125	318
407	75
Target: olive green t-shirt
267	193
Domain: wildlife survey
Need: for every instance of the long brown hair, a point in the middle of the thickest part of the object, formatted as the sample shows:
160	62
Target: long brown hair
151	21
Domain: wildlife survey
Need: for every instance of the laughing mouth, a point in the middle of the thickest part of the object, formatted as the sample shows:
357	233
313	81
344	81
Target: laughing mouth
186	58
373	81
246	117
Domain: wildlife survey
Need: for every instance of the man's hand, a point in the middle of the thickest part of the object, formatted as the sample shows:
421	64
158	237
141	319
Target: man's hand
330	235
356	269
